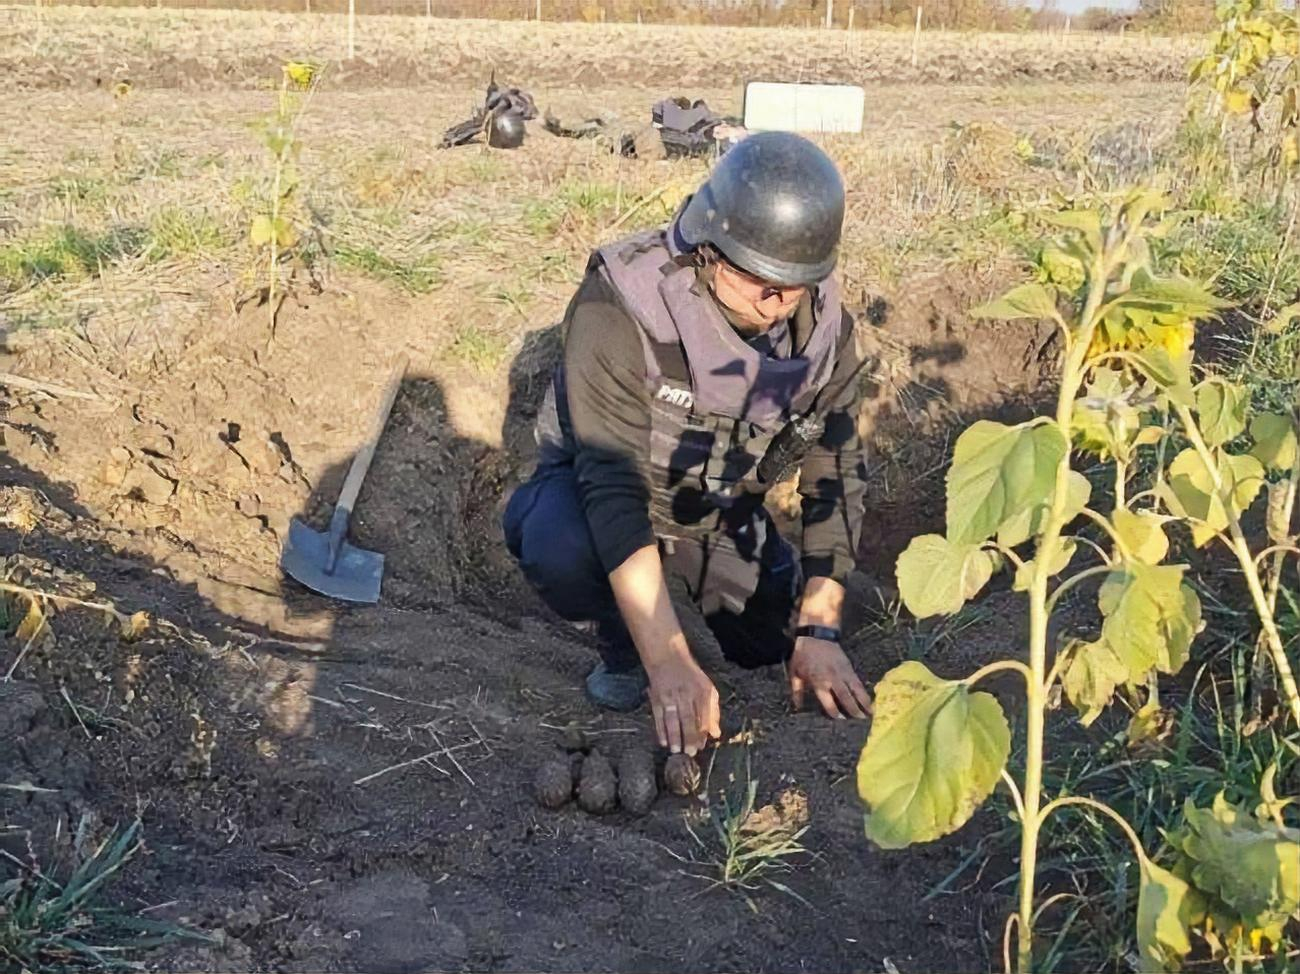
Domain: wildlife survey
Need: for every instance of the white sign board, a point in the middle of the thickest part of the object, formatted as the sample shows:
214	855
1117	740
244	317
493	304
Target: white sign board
791	107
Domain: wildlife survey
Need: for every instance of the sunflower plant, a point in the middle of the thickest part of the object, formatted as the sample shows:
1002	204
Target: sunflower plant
938	747
272	230
1252	65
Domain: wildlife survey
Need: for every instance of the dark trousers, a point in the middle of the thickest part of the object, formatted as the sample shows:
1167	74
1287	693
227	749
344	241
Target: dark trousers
752	618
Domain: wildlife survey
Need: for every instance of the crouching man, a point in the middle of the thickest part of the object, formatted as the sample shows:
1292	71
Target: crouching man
703	362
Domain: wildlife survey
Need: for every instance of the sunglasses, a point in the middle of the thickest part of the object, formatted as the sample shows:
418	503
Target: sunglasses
768	290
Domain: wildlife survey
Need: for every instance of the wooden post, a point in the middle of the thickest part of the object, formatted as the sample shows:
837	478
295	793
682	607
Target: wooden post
851	9
830	14
1067	26
352	29
428	8
307	4
916	37
539	11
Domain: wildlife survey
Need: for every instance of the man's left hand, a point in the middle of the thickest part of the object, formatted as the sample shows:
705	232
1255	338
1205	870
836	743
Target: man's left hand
823	666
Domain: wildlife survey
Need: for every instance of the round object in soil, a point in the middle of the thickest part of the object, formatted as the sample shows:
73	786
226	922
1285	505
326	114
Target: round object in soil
681	774
597	788
554	783
637	788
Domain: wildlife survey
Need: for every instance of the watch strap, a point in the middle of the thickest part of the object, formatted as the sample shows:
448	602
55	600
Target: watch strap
828	633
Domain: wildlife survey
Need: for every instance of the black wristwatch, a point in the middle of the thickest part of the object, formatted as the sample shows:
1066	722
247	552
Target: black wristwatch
826	633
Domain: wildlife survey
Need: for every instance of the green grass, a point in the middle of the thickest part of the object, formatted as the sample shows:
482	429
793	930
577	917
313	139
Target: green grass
737	852
470	232
516	296
554	267
1248	253
1288	618
582	202
1269	365
926	638
52	925
66	252
487	168
163	164
388	217
75	190
477	347
178	231
418	275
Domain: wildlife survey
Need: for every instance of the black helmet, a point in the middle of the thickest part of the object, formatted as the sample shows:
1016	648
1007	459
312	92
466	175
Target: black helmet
773	206
505	130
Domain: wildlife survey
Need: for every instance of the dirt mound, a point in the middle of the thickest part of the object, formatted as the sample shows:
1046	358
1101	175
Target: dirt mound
938	371
199	457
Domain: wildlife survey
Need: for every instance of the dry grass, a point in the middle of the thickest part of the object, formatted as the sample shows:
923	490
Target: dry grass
962	14
80	47
119	206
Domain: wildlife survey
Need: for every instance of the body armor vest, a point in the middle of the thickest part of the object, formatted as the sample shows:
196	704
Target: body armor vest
716	403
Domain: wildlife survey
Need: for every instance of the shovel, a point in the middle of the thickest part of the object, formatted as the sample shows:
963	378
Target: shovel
324	561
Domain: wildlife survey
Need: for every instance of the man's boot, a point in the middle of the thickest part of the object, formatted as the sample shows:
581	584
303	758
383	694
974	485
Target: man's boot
619	680
620	691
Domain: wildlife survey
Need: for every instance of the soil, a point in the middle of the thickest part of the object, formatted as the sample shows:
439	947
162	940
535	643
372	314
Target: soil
937	372
338	788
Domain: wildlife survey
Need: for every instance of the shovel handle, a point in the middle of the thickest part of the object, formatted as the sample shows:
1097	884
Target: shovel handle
361	463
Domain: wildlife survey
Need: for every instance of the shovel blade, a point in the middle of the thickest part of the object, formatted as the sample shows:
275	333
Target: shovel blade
357	573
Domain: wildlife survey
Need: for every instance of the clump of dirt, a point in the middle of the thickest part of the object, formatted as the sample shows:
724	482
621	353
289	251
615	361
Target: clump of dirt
786	815
200	462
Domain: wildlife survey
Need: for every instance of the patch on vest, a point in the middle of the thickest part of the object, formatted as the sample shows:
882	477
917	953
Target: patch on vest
677	397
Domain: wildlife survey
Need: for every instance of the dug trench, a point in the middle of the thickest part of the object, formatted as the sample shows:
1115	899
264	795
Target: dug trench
328	788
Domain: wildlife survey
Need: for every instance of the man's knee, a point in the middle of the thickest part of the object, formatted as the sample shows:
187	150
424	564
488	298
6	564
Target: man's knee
546	530
558	560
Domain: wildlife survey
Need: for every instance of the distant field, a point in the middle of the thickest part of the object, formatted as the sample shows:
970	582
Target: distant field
77	47
962	14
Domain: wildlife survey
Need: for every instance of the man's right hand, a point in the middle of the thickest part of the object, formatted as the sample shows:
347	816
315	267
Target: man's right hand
683	698
685	704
